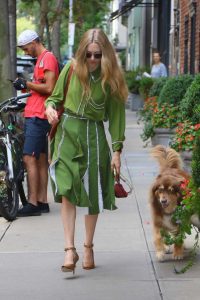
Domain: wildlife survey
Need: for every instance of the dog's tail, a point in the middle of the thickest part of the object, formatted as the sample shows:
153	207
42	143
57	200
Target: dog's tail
167	157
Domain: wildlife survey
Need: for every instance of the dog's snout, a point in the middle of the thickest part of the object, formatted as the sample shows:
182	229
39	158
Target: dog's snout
164	201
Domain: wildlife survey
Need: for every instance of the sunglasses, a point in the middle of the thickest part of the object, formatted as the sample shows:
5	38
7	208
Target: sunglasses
95	55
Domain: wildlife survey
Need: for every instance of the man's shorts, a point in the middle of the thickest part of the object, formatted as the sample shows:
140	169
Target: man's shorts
36	136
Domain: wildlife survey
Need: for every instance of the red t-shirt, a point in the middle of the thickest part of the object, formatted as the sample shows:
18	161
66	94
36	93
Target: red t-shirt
35	103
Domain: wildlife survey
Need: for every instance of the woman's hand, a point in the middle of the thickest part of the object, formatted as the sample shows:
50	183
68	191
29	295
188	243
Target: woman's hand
116	163
51	114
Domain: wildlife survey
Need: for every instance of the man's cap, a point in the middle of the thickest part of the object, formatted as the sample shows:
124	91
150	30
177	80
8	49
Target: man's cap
26	37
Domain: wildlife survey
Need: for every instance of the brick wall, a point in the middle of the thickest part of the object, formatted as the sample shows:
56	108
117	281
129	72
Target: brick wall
186	12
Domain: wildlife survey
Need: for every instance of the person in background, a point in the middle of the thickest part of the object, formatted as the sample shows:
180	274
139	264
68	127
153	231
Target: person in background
36	128
82	170
158	69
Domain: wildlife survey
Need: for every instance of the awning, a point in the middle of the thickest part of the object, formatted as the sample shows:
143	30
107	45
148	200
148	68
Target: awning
126	6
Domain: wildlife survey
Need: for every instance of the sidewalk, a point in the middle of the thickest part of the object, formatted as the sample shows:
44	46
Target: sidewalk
31	249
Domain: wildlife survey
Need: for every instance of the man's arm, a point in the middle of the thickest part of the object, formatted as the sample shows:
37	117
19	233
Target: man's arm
45	88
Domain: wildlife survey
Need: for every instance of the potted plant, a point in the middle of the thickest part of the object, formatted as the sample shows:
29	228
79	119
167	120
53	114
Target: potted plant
159	121
133	79
164	120
187	214
183	141
145	85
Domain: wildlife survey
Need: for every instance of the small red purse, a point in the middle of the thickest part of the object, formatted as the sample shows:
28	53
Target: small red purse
120	191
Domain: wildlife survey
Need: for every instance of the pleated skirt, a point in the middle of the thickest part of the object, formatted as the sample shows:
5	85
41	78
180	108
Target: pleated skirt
81	165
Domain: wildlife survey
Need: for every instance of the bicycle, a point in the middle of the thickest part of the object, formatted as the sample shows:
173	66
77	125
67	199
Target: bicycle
12	172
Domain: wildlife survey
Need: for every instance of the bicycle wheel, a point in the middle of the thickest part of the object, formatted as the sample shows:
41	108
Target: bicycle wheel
9	199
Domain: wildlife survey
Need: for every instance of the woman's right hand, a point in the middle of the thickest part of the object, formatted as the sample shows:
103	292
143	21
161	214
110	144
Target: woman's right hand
51	114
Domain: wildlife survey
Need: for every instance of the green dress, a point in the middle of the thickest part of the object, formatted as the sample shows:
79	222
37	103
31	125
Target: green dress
80	168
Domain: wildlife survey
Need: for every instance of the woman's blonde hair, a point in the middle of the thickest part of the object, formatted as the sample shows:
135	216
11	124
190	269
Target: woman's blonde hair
111	72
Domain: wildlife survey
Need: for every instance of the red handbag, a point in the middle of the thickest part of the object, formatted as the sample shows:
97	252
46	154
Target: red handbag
120	191
61	109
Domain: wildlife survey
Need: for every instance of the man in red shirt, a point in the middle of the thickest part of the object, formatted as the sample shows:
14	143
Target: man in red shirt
46	72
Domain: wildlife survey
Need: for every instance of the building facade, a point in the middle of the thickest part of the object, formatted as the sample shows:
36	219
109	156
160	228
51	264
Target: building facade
171	27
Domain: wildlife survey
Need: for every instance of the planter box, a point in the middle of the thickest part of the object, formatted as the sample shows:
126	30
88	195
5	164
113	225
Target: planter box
136	102
187	159
162	136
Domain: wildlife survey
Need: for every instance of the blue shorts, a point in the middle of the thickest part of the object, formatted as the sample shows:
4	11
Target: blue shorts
36	136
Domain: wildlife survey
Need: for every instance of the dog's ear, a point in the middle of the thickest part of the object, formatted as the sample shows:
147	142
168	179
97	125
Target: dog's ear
154	201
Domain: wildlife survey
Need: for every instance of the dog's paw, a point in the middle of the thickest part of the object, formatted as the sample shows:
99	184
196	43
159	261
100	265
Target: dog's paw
177	256
168	249
160	255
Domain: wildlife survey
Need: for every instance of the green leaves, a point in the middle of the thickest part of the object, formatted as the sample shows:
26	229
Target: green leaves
175	89
190	105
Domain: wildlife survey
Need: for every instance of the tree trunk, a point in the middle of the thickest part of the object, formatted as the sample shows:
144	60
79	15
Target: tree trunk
55	42
5	62
43	17
12	36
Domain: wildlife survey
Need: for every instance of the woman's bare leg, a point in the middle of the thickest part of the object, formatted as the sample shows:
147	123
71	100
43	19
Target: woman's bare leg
68	214
90	225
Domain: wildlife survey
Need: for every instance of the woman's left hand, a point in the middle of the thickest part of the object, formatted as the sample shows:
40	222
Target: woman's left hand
116	163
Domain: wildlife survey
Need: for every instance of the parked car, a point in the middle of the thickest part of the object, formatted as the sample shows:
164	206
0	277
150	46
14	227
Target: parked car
25	66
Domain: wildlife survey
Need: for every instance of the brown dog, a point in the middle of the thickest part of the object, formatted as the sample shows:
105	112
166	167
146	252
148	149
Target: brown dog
165	195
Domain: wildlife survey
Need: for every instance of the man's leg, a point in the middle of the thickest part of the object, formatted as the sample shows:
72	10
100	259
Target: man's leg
33	175
32	208
43	176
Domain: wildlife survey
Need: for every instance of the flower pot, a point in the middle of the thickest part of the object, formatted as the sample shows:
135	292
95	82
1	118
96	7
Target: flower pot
162	136
136	102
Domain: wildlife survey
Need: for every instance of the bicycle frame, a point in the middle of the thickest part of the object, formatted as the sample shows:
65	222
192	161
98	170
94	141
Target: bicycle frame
11	163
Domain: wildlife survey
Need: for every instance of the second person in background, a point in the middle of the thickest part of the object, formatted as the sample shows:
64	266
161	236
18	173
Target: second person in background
46	72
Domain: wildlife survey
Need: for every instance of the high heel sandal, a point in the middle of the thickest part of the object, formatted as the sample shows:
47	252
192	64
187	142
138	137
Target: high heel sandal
71	267
91	265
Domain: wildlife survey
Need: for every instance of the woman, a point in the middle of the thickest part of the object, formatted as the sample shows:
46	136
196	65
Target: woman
82	170
158	69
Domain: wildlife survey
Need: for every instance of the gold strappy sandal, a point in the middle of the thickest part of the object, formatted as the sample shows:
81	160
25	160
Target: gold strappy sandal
71	267
91	265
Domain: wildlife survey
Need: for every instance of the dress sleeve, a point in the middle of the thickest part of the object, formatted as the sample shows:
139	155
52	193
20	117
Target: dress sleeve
115	110
58	93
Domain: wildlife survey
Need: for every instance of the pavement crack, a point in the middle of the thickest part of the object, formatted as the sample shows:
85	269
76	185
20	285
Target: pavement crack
4	233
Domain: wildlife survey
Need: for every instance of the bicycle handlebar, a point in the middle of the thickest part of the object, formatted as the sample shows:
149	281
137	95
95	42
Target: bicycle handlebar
13	99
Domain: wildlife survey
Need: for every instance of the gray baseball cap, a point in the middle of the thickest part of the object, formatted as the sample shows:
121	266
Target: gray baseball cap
26	37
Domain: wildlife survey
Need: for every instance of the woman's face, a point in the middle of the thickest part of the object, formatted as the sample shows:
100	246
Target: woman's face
156	58
93	56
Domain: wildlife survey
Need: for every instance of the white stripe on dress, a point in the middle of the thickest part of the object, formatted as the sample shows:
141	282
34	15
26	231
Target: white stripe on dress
52	165
86	175
100	198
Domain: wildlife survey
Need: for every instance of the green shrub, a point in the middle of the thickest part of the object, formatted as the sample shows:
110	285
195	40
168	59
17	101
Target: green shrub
175	89
133	79
145	85
196	163
190	105
157	86
132	82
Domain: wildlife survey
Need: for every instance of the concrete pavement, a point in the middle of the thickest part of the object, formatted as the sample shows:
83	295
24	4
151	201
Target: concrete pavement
31	249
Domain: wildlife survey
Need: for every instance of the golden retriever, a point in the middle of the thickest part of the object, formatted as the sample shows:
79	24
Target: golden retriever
165	195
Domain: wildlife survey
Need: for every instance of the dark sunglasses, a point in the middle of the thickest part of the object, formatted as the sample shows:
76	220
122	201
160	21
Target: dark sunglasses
95	55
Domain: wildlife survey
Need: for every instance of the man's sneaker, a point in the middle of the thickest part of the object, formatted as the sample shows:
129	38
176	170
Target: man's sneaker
44	207
29	210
